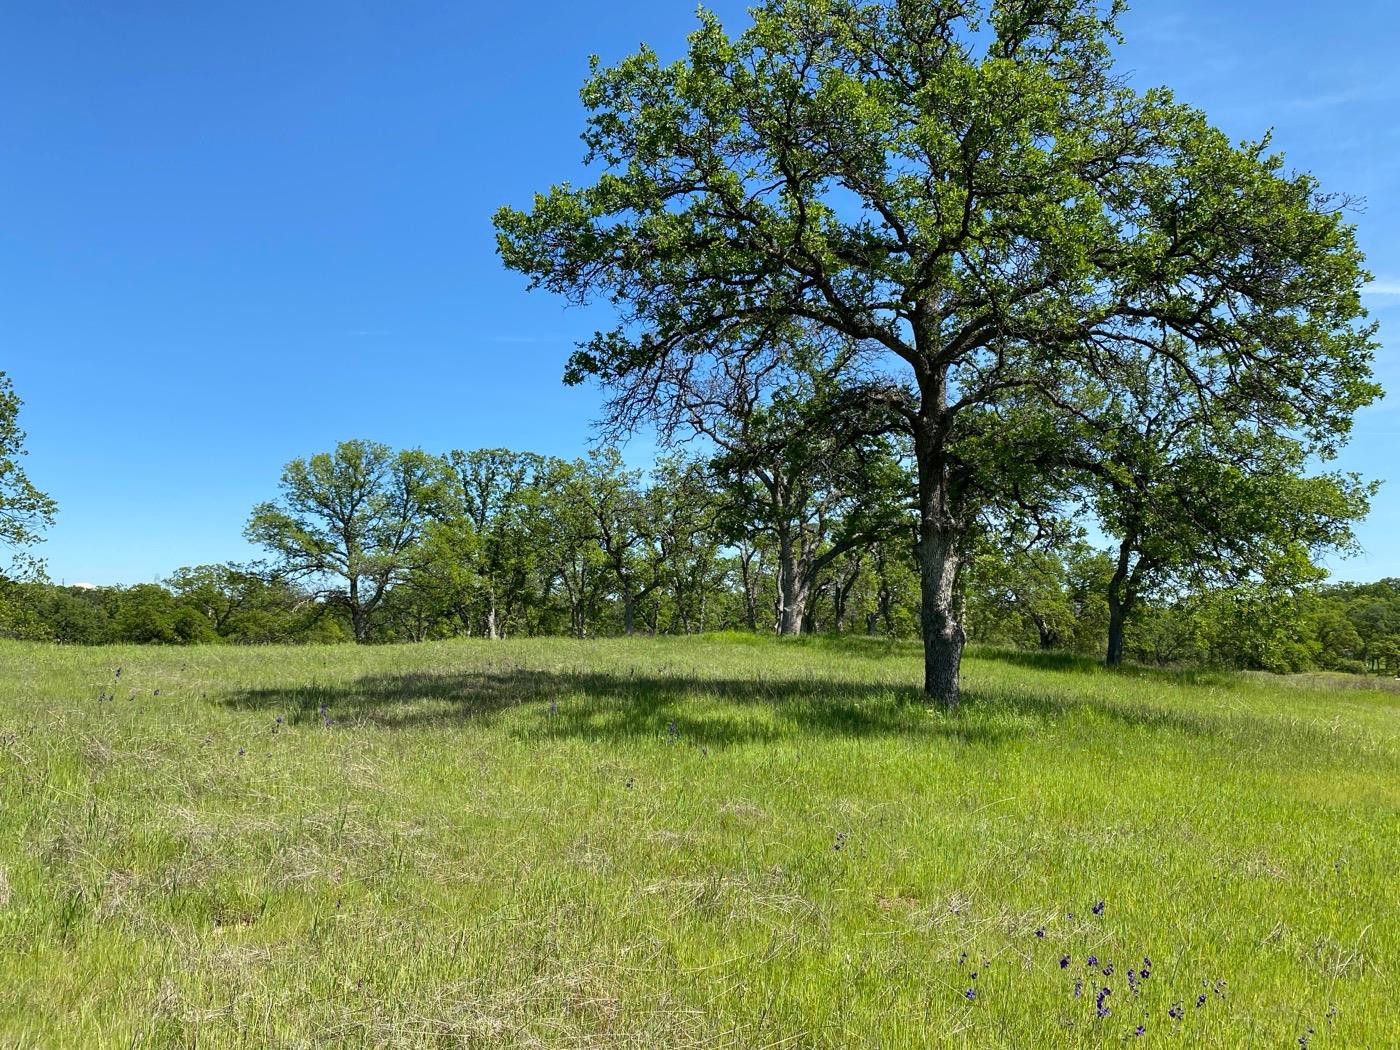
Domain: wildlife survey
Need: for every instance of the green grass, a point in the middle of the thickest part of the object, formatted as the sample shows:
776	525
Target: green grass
453	862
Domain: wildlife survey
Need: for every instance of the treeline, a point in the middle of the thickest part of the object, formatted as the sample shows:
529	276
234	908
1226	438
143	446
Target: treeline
1058	601
375	545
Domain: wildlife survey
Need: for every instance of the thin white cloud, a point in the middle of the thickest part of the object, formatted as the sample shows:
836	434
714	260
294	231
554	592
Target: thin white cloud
1382	288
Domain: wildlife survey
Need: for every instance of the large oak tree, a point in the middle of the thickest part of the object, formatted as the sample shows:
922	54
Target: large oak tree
349	523
969	193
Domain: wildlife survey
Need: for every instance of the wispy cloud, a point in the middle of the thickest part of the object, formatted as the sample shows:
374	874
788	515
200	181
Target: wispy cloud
1382	288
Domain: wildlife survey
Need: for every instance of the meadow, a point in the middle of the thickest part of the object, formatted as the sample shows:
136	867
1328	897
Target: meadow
694	842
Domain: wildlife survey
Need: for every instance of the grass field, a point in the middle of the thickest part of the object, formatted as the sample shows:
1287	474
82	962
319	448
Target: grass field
696	842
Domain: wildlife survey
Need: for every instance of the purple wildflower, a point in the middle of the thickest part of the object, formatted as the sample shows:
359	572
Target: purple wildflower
1200	1001
1064	962
1100	1002
1098	908
1078	989
1141	1030
970	994
1093	960
1040	931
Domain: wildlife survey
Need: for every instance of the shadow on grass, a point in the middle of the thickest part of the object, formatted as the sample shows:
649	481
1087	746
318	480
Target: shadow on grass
606	707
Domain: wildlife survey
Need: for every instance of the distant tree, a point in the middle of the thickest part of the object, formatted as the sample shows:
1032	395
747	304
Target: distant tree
24	511
150	614
485	541
564	531
1197	495
1027	586
248	604
819	480
348	523
218	592
970	194
627	527
682	506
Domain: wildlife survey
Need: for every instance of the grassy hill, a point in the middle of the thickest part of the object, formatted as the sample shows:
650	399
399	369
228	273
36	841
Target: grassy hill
694	842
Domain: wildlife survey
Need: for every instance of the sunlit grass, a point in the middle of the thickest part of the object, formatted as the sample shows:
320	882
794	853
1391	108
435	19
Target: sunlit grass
693	842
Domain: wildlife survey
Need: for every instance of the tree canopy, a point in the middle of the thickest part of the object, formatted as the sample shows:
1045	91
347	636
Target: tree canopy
972	197
349	522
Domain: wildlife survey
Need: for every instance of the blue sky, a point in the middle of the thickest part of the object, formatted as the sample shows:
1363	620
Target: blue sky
237	233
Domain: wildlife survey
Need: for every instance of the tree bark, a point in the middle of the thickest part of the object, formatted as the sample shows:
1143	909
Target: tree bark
940	541
1120	601
792	598
746	557
1049	637
1117	617
944	638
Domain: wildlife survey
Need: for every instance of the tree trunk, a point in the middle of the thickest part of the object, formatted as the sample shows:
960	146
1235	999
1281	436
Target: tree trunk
628	614
944	638
1119	602
792	596
939	553
1049	637
492	630
359	618
1117	617
750	588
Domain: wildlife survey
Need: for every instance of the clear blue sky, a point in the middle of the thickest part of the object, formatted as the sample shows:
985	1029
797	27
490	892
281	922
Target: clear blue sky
235	233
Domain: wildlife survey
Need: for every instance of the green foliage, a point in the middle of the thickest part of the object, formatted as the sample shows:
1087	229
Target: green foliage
24	511
349	523
978	223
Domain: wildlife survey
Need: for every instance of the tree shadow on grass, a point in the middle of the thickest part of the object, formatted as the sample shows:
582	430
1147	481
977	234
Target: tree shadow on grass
607	707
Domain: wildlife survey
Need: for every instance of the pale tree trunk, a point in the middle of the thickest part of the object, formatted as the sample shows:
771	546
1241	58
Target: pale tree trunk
493	631
944	638
793	604
746	558
359	617
792	598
